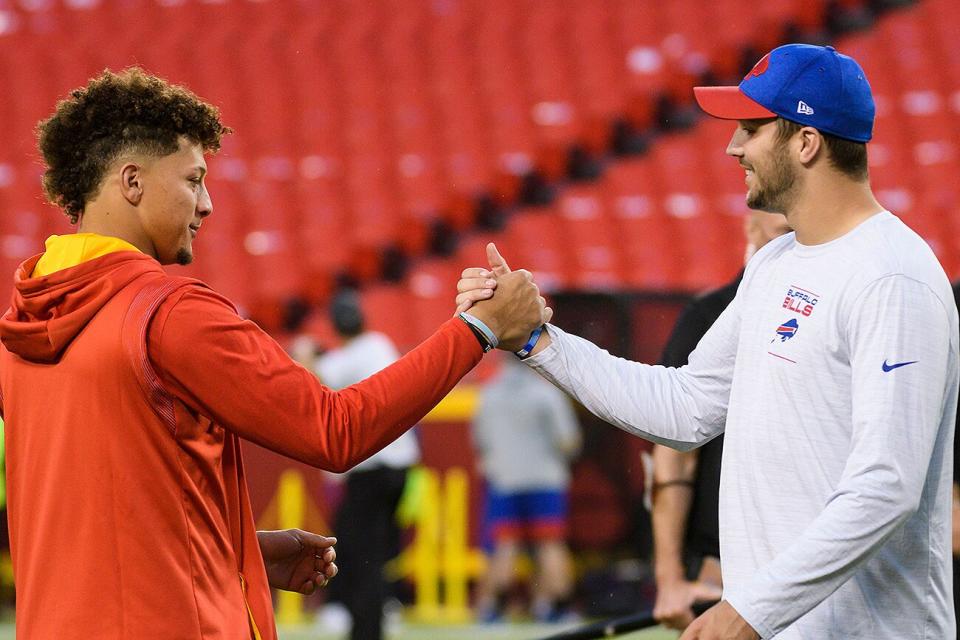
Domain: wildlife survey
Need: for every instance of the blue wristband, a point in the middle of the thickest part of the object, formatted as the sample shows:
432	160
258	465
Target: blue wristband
531	343
479	325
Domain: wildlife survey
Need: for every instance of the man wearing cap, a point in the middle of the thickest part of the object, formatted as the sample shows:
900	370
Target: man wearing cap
833	374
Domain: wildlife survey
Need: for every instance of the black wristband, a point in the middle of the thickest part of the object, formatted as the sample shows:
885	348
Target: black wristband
482	339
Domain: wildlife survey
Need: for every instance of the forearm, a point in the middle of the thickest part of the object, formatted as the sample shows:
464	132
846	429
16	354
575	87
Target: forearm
670	510
673	474
667	406
819	561
370	414
241	379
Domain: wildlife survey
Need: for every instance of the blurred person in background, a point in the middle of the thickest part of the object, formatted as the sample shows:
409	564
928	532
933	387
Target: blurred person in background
125	392
686	484
525	433
366	523
834	374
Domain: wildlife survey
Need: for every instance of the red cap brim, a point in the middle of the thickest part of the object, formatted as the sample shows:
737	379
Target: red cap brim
729	103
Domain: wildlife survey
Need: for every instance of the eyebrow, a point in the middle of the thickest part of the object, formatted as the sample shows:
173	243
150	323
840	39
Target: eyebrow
758	122
201	168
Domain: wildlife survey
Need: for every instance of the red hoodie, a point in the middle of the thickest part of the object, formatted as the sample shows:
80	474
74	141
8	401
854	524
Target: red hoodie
125	393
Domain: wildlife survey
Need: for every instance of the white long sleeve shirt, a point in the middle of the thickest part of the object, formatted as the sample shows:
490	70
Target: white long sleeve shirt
834	373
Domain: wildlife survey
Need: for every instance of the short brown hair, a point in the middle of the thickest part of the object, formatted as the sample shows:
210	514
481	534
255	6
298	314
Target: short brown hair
846	156
114	114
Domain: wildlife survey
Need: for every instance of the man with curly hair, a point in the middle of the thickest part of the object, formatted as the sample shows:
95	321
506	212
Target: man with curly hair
126	392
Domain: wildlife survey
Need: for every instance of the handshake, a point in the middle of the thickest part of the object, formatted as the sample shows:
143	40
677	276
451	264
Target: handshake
508	302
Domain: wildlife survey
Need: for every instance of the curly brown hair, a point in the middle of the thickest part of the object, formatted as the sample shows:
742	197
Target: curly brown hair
115	114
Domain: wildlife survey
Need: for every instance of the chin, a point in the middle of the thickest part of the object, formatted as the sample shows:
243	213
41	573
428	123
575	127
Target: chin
184	256
760	203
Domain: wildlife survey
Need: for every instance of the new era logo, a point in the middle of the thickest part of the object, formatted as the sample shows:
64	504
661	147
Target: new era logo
804	108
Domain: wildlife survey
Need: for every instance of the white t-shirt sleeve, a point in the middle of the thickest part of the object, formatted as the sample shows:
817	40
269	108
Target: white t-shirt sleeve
681	408
898	337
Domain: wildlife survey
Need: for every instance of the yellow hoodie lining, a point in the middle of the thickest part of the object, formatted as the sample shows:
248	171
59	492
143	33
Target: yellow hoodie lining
68	251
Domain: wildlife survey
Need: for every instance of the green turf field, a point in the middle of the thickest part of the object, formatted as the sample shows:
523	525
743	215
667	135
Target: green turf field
473	632
410	632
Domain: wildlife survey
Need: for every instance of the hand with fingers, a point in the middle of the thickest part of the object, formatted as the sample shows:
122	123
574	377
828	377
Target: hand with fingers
507	301
298	560
720	622
675	599
478	283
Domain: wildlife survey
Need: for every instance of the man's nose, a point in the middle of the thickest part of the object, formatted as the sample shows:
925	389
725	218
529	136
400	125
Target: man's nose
205	204
734	147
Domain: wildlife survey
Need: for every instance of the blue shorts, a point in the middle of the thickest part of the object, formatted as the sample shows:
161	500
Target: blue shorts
527	515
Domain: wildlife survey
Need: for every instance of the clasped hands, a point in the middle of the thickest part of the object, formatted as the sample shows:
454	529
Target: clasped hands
516	309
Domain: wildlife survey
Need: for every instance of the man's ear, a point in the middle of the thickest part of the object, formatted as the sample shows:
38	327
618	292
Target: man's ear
811	142
131	182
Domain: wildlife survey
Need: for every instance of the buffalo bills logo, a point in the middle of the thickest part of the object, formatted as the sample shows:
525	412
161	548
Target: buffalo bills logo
787	330
760	68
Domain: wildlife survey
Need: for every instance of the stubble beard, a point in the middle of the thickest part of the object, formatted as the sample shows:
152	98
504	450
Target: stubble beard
184	256
781	185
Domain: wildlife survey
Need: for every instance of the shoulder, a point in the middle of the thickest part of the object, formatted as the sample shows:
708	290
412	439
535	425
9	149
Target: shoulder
192	313
889	246
892	255
188	297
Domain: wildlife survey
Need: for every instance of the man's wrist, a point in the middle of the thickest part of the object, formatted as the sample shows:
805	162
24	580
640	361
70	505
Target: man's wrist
488	320
527	350
484	335
542	343
668	570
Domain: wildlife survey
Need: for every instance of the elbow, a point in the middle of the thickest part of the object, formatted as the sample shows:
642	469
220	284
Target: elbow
321	453
907	506
905	496
337	466
682	446
894	505
694	440
321	458
339	461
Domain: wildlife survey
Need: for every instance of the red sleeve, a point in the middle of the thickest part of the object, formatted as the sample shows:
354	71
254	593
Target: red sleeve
229	370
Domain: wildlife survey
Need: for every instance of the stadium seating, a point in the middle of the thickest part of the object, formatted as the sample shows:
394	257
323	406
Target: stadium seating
360	125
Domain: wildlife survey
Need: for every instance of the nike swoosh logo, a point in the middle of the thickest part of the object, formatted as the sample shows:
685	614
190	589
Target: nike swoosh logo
891	367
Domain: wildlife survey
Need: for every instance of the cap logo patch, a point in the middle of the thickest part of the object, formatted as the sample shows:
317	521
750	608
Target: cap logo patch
760	68
804	108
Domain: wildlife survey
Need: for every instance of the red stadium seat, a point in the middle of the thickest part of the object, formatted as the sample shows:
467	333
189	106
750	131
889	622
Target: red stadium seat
593	240
367	133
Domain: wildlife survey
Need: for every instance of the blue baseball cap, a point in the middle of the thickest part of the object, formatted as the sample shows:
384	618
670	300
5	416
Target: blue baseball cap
813	86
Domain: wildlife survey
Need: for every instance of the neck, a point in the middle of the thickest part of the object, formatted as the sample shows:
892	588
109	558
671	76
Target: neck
116	223
829	208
